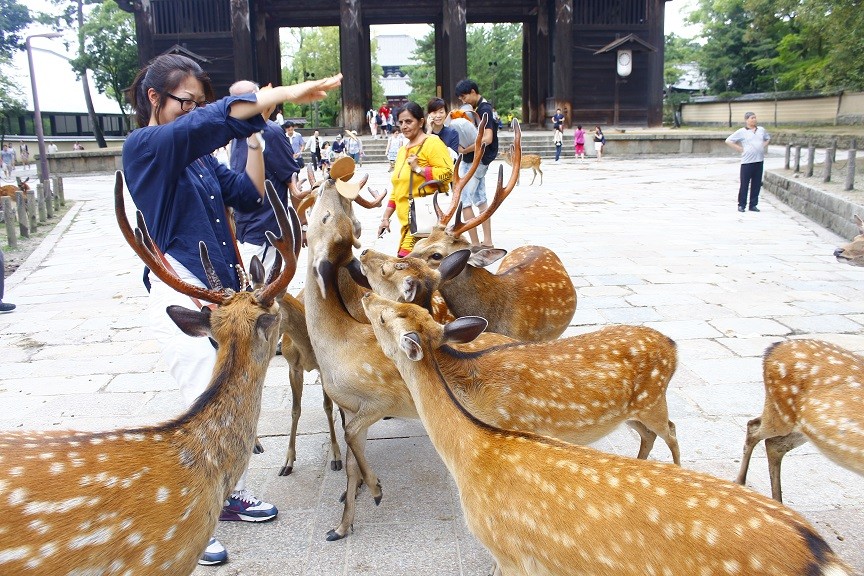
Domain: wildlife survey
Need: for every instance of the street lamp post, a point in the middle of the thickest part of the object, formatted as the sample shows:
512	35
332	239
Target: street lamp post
493	70
311	76
44	174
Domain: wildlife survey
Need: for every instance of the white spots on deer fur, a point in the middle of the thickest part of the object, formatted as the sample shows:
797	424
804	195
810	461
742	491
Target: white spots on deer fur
96	441
102	457
13	554
653	514
101	535
731	567
39	526
56	468
16	471
162	494
17	496
692	502
147	557
129	437
169	534
134	539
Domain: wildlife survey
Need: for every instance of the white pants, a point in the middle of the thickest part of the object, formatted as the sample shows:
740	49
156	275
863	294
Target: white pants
190	360
266	253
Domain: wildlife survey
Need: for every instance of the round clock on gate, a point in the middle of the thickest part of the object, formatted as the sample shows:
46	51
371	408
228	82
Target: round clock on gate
623	59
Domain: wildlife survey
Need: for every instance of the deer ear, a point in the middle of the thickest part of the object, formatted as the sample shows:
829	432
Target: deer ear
265	323
194	323
464	329
409	289
452	265
410	344
486	256
256	270
355	269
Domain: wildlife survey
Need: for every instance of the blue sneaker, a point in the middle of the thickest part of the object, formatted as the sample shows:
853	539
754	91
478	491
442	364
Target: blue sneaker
214	554
242	505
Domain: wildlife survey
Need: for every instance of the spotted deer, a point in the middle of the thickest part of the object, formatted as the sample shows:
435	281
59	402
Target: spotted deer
812	392
367	386
531	161
542	506
577	389
146	500
296	347
530	298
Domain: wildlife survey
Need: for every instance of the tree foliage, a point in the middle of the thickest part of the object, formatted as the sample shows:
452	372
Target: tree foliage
110	50
315	54
494	62
764	45
13	18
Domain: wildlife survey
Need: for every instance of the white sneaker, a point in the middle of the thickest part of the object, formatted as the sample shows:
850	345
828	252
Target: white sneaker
214	554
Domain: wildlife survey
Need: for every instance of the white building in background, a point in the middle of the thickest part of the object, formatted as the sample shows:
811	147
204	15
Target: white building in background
395	51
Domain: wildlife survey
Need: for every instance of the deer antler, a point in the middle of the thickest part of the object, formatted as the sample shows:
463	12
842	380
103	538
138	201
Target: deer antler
376	198
288	245
459	184
501	192
143	245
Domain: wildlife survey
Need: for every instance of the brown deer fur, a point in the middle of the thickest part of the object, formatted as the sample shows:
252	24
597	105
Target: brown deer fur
144	500
531	161
577	389
542	506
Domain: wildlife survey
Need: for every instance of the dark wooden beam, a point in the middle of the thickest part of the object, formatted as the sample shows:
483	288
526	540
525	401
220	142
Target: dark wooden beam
562	65
244	58
453	49
351	37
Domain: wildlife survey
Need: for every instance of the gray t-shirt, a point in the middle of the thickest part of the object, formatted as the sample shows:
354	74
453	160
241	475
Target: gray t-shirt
753	143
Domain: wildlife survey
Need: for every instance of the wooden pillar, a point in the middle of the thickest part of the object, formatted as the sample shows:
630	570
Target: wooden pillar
562	58
539	58
241	33
451	49
143	32
350	51
654	96
366	75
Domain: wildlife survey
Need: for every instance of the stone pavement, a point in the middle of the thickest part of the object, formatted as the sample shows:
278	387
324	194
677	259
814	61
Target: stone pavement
654	241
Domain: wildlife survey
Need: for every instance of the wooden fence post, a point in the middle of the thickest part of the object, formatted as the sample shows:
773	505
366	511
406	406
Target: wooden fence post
850	169
788	155
797	158
49	201
23	219
829	161
811	158
10	224
40	201
33	210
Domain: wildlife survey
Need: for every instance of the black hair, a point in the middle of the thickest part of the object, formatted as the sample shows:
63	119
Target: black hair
163	74
436	104
412	108
288	124
465	86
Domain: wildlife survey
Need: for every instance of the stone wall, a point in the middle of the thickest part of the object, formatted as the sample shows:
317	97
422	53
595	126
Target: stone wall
832	211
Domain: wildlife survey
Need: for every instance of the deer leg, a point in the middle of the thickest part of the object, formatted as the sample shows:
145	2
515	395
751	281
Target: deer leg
534	176
646	438
349	499
656	421
295	376
355	437
336	463
759	429
541	176
776	448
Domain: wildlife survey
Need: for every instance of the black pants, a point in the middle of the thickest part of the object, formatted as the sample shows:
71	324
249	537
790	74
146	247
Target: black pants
316	158
751	178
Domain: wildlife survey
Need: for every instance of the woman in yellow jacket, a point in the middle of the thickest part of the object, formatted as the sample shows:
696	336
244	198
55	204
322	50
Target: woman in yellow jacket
423	155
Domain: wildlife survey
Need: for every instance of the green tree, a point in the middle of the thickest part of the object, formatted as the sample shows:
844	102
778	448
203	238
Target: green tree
70	16
110	51
12	102
13	18
494	62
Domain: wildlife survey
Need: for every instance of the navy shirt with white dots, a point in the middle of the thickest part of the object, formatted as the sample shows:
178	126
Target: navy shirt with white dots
182	190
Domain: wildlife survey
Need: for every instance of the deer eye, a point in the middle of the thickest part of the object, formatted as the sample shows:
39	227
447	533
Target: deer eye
437	256
381	318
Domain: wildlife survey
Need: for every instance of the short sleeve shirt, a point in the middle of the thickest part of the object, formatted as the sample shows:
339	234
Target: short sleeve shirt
753	143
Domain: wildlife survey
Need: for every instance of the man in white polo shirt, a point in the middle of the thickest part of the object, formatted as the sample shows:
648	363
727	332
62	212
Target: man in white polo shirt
751	141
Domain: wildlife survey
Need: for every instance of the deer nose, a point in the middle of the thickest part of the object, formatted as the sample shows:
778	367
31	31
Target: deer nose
838	252
363	253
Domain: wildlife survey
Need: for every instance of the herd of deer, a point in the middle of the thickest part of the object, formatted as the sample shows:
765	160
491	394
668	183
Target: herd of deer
507	405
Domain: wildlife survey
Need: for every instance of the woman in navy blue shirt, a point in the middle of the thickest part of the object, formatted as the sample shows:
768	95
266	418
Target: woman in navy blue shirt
182	191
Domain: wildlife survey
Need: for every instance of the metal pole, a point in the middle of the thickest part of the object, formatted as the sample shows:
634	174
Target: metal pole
37	114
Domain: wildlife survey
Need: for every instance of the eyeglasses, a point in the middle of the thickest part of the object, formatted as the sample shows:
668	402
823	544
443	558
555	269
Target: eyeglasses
187	104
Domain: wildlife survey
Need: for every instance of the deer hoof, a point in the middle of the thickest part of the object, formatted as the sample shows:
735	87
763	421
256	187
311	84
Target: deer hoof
259	448
286	470
380	495
336	465
333	535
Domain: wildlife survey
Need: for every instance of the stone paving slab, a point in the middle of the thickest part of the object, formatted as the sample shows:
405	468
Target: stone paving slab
649	240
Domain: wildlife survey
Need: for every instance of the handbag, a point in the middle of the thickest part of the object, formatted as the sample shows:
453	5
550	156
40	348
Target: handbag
421	209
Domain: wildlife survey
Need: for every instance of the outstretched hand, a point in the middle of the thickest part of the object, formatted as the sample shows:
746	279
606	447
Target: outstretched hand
313	90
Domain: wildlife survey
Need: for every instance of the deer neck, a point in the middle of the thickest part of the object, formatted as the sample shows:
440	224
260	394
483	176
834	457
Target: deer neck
466	293
225	415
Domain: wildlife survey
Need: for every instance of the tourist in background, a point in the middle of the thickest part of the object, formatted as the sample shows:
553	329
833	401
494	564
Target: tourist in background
751	142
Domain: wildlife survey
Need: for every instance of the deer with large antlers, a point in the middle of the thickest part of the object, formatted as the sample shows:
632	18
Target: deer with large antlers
542	506
530	298
145	500
813	392
577	389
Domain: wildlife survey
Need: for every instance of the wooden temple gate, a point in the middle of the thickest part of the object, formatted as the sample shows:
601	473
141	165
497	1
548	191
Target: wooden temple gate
570	47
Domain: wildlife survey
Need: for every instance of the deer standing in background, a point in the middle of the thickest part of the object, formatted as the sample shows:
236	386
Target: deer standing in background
576	389
813	391
531	298
542	506
531	161
142	501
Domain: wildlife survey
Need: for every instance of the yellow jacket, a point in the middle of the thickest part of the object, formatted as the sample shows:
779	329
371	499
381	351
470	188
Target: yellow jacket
435	159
